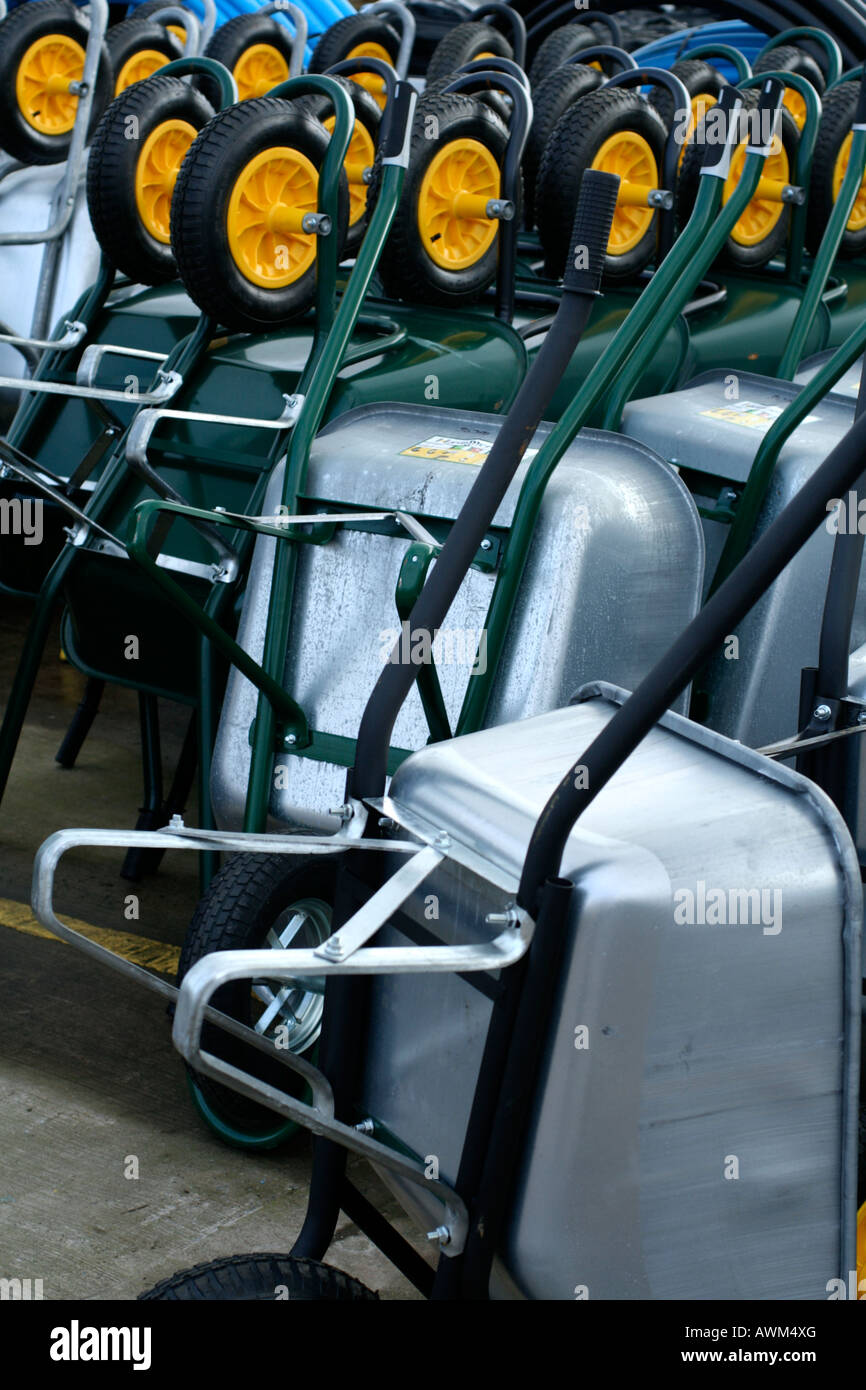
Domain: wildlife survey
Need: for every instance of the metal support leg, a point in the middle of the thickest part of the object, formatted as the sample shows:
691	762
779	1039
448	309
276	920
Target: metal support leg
150	814
147	861
82	721
28	666
343	1026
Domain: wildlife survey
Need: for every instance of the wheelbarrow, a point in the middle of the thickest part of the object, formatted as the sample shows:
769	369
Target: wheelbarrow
483	1013
745	444
46	250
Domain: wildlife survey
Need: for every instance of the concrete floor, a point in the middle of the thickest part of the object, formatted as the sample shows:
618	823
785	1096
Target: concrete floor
88	1076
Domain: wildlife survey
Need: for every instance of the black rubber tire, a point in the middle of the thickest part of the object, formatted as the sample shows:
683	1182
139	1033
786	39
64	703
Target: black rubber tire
733	254
698	78
463	45
21	28
337	42
788	57
111	171
433	20
244	901
229	43
562	44
840	106
368	113
817	52
256	1279
550	100
406	270
495	100
199	208
124	40
150	7
570	152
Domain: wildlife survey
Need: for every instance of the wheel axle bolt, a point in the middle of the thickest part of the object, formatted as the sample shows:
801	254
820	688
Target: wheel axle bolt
500	209
823	713
442	1234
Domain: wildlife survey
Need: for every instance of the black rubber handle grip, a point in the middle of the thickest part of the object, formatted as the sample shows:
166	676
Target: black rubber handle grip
717	153
401	107
860	113
769	103
591	232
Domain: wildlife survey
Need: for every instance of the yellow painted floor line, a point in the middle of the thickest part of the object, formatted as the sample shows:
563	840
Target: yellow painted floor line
155	955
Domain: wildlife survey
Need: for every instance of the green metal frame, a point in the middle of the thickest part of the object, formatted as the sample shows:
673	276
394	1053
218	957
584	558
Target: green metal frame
723	50
816	287
820	36
330	349
803	170
760	475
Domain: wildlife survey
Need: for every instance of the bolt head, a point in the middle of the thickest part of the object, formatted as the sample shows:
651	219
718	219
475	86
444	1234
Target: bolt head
823	713
486	544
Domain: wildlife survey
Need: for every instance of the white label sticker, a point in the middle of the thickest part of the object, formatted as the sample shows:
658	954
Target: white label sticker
752	414
440	446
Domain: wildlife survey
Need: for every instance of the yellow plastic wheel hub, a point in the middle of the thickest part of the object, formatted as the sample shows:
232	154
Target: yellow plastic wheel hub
178	31
42	83
270	198
371	81
857	220
156	174
359	156
700	106
138	67
260	68
796	104
461	179
631	157
766	208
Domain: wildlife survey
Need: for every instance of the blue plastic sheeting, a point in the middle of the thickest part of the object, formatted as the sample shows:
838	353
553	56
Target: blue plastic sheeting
663	53
321	14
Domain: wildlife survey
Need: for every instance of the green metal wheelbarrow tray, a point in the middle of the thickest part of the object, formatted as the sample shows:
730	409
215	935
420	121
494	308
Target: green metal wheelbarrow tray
69	416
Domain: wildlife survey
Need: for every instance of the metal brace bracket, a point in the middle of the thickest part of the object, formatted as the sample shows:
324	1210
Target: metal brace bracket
146	422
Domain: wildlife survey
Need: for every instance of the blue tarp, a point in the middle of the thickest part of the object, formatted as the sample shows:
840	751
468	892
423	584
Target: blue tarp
663	53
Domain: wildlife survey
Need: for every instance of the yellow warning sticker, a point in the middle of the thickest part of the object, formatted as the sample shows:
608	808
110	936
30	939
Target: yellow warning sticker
439	446
752	414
